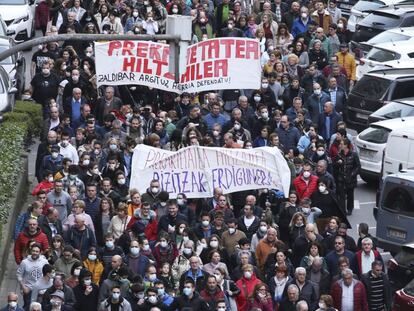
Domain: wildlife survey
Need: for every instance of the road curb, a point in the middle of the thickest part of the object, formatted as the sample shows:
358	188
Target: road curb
16	206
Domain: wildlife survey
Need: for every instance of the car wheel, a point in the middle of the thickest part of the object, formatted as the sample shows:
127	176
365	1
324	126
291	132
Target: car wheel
369	179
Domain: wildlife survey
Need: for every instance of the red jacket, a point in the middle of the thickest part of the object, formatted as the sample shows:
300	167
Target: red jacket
20	246
360	296
163	257
151	229
358	257
44	185
303	189
212	299
246	289
264	306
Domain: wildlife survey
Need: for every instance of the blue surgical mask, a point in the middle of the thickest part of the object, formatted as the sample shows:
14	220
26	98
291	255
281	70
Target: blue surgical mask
187	291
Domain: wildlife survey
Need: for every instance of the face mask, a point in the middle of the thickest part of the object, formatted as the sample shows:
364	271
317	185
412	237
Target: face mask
55	155
76	272
230	26
75	78
113	146
214	244
265	85
306	174
163	244
187	251
163	204
85	162
87	282
135	14
317	92
73	177
218	277
237	127
247	275
97	151
109	244
306	210
186	238
154	189
95	171
116	296
45	71
123	280
134	251
175	11
263	228
202	20
161	291
300	224
265	115
262	295
205	223
139	295
152	277
153	299
121	181
187	291
179	201
64	143
232	230
146	247
304	15
13	304
221	309
216	133
322	188
322	305
320	153
92	257
340	25
55	302
257	98
181	230
50	179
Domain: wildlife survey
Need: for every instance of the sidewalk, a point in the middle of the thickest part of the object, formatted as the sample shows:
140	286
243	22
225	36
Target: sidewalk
9	283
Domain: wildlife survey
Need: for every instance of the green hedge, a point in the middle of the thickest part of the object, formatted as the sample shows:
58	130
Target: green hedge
24	122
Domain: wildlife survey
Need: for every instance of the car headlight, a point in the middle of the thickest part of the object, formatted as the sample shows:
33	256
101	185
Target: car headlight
21	19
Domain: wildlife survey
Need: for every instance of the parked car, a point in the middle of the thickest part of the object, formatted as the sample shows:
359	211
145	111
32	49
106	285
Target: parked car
394	212
386	55
7	92
374	90
361	49
15	65
19	16
363	7
394	109
392	16
401	267
404	298
371	143
346	6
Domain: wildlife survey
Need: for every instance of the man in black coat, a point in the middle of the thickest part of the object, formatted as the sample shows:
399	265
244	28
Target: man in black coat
337	94
189	300
51	224
328	121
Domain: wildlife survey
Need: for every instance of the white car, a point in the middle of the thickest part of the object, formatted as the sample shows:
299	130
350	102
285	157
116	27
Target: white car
363	7
388	54
371	143
19	16
7	92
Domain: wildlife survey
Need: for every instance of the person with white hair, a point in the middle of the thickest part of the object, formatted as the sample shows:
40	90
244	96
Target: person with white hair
35	306
302	306
307	289
80	236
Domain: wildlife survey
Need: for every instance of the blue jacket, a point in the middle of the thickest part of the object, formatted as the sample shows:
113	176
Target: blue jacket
299	27
211	120
92	208
315	104
332	261
137	266
20	224
260	142
289	137
335	117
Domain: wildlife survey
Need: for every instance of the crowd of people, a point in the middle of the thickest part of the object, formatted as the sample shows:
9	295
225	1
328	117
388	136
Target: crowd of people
90	242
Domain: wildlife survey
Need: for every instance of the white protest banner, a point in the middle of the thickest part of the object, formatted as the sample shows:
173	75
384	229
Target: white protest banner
196	170
216	64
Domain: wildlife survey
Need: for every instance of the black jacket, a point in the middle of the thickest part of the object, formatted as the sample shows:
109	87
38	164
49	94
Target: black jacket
44	225
183	303
85	302
346	169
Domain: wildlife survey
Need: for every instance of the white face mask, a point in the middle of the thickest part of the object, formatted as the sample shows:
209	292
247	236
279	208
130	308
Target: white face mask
340	25
92	257
263	228
237	126
304	15
121	181
322	188
50	179
146	247
187	251
186	238
13	304
154	189
216	133
180	201
55	155
163	204
265	85
87	282
214	244
45	71
86	162
322	305
257	98
205	223
175	11
306	174
116	296
320	153
265	115
134	251
317	92
232	230
247	275
135	14
152	299
163	244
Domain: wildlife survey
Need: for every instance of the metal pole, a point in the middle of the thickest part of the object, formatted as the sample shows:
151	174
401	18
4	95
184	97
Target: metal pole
89	37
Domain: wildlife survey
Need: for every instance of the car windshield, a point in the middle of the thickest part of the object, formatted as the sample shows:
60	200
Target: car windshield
8	60
399	198
409	288
383	19
388	36
395	110
376	135
372	88
380	55
11	2
368	5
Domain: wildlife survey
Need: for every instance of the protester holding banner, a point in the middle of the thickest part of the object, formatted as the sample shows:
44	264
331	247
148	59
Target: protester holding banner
181	158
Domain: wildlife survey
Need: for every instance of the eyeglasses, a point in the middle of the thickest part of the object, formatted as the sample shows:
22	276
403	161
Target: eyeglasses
338	243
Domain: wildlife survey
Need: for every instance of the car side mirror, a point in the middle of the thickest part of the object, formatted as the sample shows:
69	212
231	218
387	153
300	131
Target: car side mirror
13	90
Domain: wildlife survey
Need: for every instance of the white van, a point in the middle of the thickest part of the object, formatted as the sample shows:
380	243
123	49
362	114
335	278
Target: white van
399	151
